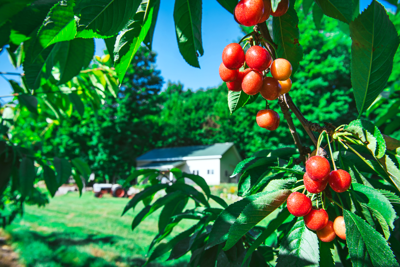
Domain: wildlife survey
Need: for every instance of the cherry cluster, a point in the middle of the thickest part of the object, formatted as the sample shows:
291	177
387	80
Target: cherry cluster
247	70
318	175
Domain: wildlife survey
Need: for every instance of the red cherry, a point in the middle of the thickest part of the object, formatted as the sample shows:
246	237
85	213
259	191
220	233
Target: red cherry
268	119
227	75
316	219
252	82
299	204
318	168
267	11
282	8
258	58
233	56
339	180
236	85
312	186
271	88
340	227
327	234
249	12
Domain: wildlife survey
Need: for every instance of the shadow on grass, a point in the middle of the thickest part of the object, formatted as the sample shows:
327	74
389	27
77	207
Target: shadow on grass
76	249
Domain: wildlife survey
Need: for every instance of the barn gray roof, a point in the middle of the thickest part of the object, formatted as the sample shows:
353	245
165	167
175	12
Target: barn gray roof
186	152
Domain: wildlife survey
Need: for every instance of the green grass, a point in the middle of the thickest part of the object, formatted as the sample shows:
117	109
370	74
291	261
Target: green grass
85	231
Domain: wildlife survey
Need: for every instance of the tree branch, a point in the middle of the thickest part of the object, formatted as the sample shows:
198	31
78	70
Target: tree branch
286	113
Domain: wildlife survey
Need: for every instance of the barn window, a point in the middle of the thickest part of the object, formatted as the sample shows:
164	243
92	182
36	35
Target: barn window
226	173
208	171
198	172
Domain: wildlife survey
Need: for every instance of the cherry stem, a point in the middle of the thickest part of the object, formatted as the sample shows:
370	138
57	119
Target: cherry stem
340	206
298	188
330	149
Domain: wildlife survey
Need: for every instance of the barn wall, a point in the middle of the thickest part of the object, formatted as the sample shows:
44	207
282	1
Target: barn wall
228	163
209	169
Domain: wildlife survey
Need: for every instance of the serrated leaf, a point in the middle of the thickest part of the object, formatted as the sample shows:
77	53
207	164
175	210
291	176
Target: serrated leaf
279	184
187	17
59	26
77	102
325	254
228	5
378	204
366	246
242	166
73	56
317	16
300	248
272	226
63	169
337	9
29	101
105	17
391	166
392	197
50	180
374	44
286	36
238	100
131	38
148	40
27	174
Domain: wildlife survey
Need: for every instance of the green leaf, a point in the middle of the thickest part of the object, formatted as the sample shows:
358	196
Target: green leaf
369	134
374	45
110	42
78	182
306	6
17	88
337	9
176	172
11	7
148	41
392	197
228	5
73	56
190	191
279	184
300	248
317	16
271	227
274	4
219	200
378	203
366	246
27	174
286	36
163	201
112	85
238	100
200	182
5	32
169	211
325	254
63	169
59	26
29	101
142	195
244	164
391	166
105	17
77	102
130	39
82	167
50	180
187	17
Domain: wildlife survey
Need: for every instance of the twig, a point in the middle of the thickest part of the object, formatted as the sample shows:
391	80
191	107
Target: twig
11	73
286	113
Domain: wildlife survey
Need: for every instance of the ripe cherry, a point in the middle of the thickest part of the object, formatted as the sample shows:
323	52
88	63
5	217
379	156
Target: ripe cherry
258	58
249	12
299	204
267	11
316	219
327	234
227	75
236	85
281	69
318	168
340	227
252	82
233	56
268	119
270	89
282	8
286	86
312	186
339	180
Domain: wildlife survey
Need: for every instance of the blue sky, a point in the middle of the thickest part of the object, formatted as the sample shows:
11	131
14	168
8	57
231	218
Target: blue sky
218	27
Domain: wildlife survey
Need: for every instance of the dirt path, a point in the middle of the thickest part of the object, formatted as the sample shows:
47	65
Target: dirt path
8	258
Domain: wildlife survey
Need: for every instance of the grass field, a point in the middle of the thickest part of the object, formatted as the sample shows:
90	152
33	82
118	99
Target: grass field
85	231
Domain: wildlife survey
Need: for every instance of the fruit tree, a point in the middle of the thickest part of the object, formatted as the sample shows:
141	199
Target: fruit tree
336	201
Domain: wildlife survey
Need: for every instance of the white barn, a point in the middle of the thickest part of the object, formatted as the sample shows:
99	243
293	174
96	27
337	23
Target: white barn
215	163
